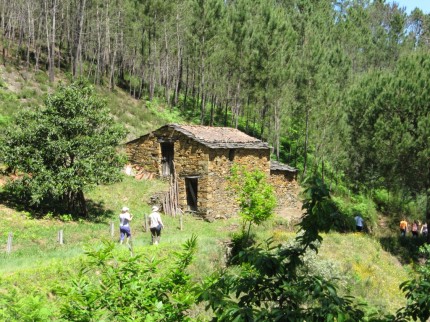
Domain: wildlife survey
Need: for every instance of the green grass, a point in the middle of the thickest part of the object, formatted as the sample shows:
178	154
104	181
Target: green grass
38	264
365	270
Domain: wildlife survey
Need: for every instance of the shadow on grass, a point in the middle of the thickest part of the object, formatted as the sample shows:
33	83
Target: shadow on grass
55	209
406	249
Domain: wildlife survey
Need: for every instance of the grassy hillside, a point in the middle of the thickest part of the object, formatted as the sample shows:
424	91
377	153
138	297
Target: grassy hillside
38	265
21	89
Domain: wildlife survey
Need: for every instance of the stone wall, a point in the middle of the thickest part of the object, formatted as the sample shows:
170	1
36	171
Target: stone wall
193	159
145	153
222	202
286	190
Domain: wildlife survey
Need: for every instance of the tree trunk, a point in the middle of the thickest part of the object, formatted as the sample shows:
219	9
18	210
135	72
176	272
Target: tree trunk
305	156
115	50
226	105
211	121
167	81
99	50
30	35
178	64
82	204
277	129
202	87
78	38
186	87
51	49
428	211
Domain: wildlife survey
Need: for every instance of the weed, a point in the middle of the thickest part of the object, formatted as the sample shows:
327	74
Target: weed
27	93
41	77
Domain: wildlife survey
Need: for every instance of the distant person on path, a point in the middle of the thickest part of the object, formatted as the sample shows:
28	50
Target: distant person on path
124	224
424	230
414	229
403	227
358	223
155	225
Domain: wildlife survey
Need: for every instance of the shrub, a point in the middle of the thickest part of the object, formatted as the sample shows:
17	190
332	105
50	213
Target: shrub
417	292
41	77
111	287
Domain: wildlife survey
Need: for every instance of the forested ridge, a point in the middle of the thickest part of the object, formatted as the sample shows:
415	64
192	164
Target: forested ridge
338	88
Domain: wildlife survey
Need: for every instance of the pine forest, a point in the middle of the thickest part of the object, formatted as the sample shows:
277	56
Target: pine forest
340	90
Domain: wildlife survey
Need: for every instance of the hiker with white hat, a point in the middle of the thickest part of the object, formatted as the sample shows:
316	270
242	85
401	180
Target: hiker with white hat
124	224
155	225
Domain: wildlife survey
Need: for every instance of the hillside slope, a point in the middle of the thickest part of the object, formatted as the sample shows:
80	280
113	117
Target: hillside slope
37	263
23	89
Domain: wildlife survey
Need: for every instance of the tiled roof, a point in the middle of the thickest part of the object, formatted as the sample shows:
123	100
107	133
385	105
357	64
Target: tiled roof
220	137
275	165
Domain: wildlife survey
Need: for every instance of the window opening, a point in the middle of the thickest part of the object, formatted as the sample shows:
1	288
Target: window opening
167	153
231	154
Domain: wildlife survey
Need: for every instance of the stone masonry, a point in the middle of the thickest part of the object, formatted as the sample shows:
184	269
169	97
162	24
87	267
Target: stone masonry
206	154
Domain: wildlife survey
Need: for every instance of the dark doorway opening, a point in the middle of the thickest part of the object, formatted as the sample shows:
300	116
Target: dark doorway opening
191	185
231	154
167	153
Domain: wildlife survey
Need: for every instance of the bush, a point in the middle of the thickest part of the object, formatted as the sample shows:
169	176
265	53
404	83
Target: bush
357	205
41	77
30	307
417	292
111	287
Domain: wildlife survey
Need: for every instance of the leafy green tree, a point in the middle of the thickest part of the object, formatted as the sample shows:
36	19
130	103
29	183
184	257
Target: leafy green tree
255	196
110	287
389	116
64	148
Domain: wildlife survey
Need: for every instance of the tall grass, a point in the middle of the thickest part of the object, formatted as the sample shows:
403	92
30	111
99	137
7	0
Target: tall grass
365	270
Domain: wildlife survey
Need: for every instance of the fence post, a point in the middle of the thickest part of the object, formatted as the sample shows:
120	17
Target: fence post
180	222
145	223
60	236
112	229
9	243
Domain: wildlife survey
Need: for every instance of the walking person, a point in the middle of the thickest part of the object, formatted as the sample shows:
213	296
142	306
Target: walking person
155	225
424	230
403	227
359	223
124	225
415	229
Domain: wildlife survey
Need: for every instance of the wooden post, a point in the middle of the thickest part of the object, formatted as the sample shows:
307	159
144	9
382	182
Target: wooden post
145	223
130	246
112	229
60	237
180	222
9	243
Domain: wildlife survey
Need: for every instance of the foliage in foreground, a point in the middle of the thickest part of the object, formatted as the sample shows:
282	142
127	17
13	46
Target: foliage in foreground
417	292
63	149
271	283
113	288
32	307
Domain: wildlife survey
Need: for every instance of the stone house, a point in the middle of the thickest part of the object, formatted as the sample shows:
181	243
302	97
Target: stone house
200	158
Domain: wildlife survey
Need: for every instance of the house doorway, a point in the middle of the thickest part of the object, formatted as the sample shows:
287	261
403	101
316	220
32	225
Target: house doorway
167	153
191	186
